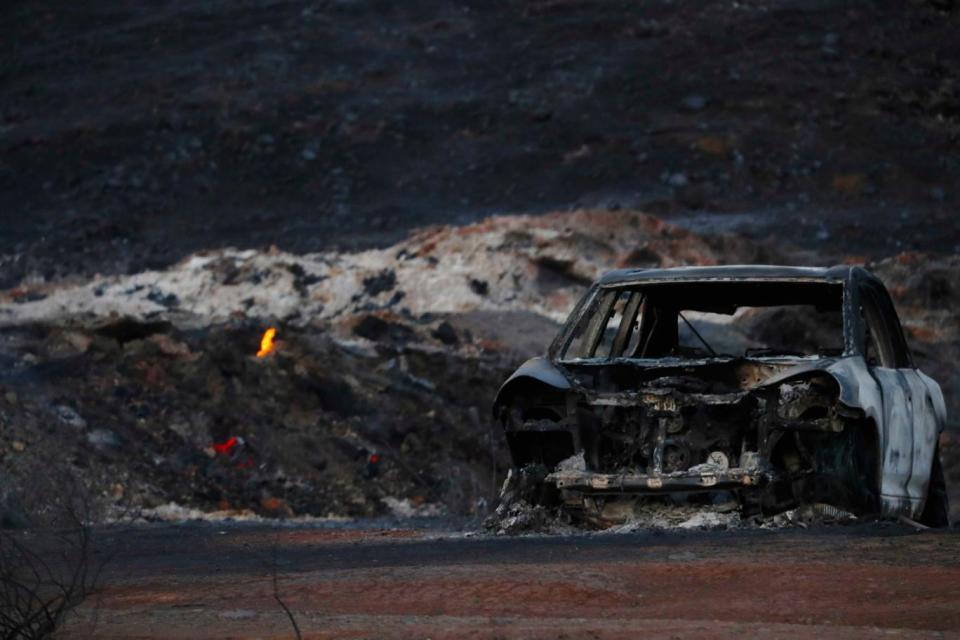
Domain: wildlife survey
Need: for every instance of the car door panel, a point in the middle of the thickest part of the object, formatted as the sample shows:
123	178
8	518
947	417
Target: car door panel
910	427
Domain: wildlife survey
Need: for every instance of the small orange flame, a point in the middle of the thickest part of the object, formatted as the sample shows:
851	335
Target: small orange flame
266	343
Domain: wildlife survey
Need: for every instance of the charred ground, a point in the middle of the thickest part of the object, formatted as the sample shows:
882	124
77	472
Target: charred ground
132	135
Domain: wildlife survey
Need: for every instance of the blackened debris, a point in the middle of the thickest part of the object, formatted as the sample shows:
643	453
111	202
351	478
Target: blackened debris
379	330
164	299
127	329
446	334
386	280
303	280
21	297
479	287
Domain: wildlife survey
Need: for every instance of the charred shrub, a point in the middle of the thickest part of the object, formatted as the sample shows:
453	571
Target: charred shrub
47	564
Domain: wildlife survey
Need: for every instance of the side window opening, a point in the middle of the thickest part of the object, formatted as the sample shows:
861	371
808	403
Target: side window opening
658	330
610	328
586	335
621	329
628	341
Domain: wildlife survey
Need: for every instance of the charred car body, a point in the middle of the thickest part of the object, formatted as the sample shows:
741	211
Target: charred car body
780	385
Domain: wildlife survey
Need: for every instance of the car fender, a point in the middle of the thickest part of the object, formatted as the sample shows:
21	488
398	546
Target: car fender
858	389
538	369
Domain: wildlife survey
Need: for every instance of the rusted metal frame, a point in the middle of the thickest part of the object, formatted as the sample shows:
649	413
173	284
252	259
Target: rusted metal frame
624	333
598	323
658	483
663	399
701	278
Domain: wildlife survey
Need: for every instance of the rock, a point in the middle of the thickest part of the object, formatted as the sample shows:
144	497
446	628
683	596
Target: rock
103	439
694	102
713	145
446	334
678	179
18	446
163	299
169	346
69	416
79	341
276	507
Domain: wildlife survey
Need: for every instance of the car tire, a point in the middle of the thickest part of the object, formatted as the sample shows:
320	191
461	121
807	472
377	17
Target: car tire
936	512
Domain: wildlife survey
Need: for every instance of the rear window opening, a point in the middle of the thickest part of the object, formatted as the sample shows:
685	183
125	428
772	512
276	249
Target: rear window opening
710	319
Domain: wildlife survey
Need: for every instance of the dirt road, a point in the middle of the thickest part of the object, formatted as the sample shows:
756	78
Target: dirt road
215	581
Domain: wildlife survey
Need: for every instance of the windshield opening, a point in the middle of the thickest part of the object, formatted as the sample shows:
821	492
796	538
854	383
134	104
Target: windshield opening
710	319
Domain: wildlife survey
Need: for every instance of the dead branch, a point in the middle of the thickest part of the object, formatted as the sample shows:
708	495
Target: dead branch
47	570
276	596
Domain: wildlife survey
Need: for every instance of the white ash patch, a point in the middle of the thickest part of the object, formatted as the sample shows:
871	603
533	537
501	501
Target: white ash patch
655	515
808	515
576	462
407	508
538	264
523	518
173	512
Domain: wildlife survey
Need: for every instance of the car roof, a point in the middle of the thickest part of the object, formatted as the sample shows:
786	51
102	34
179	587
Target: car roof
837	274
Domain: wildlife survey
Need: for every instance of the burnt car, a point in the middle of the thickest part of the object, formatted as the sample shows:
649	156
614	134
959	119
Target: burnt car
778	386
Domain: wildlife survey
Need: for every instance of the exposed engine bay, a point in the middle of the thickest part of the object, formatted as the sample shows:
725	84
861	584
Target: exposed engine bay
695	429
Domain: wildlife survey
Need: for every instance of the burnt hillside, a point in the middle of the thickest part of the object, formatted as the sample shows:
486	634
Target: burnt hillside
134	133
